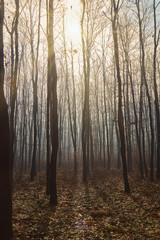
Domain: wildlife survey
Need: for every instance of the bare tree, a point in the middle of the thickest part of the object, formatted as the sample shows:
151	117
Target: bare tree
5	161
144	82
114	18
35	104
52	78
85	114
156	42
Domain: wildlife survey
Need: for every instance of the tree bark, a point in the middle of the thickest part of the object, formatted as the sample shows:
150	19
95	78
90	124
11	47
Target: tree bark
156	42
5	162
54	115
85	113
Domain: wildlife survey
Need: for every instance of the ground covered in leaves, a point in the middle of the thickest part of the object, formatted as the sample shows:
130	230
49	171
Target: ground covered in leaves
97	210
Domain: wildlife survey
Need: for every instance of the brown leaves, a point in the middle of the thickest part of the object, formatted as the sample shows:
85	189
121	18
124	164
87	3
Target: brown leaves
13	84
98	210
115	120
75	51
132	123
100	213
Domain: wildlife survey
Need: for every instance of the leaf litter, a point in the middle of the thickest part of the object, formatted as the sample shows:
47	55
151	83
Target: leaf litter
96	210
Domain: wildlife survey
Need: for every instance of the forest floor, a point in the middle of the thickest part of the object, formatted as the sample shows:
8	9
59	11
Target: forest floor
97	210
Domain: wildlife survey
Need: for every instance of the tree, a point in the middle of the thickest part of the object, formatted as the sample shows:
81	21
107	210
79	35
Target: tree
35	101
88	36
114	19
125	39
85	113
52	79
5	161
145	83
48	111
14	73
72	122
156	42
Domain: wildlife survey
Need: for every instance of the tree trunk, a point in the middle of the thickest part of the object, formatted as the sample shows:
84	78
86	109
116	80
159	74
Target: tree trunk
5	161
54	116
85	113
120	113
14	85
144	81
35	100
156	41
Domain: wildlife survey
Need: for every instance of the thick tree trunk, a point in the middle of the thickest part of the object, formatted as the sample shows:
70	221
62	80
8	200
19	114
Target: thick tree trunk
5	162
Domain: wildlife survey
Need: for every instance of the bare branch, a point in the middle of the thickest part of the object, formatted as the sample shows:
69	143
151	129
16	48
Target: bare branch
106	16
157	5
158	39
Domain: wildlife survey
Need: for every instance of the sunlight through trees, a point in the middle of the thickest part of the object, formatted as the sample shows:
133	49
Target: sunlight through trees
81	82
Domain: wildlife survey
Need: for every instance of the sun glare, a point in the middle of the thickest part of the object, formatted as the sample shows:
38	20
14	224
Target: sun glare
73	29
73	32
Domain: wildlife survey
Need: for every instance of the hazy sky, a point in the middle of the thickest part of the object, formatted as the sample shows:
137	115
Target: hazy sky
73	30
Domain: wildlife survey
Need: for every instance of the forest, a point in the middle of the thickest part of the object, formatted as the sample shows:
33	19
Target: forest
79	119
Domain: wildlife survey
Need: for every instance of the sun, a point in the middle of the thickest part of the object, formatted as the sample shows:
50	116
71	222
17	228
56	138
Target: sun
72	22
73	32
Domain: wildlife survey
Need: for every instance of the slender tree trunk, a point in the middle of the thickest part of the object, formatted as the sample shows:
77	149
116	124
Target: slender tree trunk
92	151
144	154
85	113
13	85
74	114
105	107
144	81
120	113
116	122
54	116
35	99
48	111
156	42
136	126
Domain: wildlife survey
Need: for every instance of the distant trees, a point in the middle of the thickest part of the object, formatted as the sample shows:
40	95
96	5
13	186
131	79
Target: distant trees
144	82
104	87
14	74
70	86
89	33
35	86
5	161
